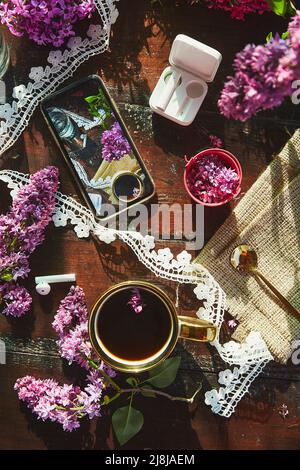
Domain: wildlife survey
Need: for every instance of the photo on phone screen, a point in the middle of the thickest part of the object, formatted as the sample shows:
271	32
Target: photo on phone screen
97	145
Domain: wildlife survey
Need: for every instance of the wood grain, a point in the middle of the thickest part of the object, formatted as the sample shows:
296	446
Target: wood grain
138	53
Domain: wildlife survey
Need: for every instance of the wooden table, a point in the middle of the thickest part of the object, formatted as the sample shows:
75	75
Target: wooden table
139	51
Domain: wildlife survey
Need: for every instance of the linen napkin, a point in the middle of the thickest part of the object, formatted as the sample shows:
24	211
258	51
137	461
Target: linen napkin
268	219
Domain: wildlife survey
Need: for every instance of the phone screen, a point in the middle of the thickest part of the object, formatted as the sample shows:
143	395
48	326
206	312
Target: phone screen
97	145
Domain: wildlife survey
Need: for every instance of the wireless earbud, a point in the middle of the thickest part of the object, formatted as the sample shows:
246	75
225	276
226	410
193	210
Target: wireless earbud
43	282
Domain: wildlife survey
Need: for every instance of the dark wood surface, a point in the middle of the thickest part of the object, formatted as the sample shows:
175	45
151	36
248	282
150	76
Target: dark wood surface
139	51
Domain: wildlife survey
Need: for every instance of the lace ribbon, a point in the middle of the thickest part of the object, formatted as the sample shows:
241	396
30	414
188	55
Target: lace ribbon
45	79
249	358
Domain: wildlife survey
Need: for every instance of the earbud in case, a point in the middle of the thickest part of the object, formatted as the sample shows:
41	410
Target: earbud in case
182	86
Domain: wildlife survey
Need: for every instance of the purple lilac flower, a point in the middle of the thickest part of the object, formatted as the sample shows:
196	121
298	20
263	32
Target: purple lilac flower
21	231
215	141
74	345
255	86
232	323
64	404
67	404
283	411
210	181
45	21
72	308
70	322
136	302
263	75
289	65
240	8
17	301
14	265
136	192
115	145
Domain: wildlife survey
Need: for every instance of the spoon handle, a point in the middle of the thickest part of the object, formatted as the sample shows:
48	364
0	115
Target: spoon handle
283	300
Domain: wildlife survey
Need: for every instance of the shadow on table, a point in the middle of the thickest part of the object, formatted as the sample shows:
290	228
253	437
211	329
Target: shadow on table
120	263
259	404
55	438
165	421
132	33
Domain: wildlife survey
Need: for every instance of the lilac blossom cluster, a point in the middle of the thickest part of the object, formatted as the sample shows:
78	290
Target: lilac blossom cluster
263	75
215	141
115	145
64	404
45	21
71	324
240	8
211	181
21	231
68	404
289	65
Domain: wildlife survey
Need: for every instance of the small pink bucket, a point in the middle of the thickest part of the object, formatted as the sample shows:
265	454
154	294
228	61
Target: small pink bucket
228	159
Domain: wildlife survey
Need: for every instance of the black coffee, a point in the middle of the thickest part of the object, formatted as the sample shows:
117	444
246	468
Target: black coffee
127	186
134	324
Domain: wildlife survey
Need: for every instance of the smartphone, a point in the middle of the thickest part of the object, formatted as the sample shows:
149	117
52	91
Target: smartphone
97	147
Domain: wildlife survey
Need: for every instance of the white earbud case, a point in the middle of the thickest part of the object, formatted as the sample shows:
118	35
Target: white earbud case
182	86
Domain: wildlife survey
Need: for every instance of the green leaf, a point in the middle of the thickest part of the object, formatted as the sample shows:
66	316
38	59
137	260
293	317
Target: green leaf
149	393
106	400
7	277
132	381
91	99
99	102
278	6
13	244
291	9
269	37
127	422
285	35
163	375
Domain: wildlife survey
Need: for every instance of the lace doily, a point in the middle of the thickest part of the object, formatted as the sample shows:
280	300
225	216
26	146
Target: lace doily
45	79
248	358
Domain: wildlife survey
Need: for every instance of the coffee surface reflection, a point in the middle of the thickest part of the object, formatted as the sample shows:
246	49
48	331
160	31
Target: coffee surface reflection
129	333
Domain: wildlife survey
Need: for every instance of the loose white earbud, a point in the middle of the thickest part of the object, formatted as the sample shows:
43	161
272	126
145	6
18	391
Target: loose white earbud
43	288
43	282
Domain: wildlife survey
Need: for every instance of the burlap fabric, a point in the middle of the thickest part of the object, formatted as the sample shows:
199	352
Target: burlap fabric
267	218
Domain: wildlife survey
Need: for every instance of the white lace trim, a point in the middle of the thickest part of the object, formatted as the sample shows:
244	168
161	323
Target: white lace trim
45	79
251	356
86	124
237	383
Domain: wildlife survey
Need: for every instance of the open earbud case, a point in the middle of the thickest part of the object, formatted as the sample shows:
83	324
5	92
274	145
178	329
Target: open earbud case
182	86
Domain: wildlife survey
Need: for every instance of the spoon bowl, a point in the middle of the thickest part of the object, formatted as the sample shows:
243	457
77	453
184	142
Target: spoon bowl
244	259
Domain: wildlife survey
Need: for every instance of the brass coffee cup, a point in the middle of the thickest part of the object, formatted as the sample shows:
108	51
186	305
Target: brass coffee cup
136	183
180	327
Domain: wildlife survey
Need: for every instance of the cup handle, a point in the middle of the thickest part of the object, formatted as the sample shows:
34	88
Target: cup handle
196	329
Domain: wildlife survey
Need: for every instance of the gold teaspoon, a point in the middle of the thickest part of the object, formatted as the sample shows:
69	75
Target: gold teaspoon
244	259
